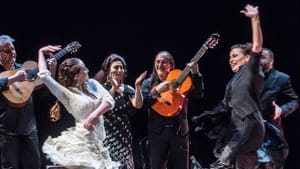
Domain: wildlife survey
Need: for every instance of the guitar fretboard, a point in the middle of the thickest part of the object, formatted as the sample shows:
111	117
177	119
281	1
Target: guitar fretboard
57	56
186	70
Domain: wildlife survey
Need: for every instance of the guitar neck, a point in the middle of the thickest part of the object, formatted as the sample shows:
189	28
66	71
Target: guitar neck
195	59
57	56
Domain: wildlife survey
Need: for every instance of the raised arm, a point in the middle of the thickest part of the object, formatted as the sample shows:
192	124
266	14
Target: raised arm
137	100
257	37
47	50
60	92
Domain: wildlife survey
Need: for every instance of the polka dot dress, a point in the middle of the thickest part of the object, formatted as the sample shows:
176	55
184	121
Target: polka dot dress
119	138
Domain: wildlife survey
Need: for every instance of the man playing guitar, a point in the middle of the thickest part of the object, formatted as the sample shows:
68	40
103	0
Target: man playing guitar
168	135
19	147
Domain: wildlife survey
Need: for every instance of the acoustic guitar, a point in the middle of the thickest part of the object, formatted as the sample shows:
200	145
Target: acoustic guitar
19	92
169	103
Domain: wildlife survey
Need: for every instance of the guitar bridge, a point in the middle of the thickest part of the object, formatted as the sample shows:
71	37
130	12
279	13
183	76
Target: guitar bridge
165	100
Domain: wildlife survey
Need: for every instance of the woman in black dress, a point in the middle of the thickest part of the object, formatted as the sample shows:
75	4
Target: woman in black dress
119	138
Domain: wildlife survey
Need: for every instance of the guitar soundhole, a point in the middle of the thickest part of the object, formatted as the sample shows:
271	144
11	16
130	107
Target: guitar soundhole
30	76
175	85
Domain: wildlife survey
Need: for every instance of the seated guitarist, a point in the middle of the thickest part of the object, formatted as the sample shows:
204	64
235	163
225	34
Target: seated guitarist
168	135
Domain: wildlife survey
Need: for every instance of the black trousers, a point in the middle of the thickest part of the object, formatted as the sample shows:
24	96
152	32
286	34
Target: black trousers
20	151
170	147
245	137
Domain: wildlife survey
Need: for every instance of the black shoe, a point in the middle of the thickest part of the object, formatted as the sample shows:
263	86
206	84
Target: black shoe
219	165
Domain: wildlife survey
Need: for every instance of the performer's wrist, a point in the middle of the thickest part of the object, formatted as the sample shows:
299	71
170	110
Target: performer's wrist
155	94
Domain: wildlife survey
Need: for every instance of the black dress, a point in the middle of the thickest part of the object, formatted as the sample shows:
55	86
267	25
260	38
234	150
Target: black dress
117	124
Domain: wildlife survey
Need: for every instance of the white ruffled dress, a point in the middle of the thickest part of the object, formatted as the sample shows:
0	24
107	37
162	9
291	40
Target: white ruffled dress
77	146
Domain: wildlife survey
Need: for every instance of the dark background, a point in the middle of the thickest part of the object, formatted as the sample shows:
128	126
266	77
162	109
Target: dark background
137	31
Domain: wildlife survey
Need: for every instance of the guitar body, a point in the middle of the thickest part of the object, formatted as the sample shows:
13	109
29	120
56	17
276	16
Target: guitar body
19	92
184	86
170	103
29	65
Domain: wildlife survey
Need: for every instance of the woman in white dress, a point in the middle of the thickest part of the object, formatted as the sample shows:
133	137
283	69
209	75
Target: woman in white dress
80	146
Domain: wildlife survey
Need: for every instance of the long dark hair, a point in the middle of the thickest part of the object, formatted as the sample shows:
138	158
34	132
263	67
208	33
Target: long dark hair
103	74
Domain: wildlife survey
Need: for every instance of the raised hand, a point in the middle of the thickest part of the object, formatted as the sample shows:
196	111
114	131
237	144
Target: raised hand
139	79
115	83
49	50
250	11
